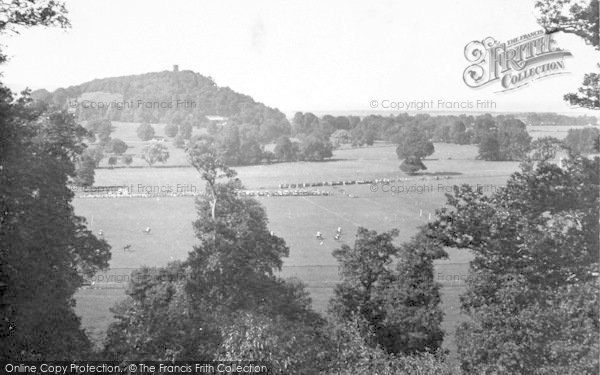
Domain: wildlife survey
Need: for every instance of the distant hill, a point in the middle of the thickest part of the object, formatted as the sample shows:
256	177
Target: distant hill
167	97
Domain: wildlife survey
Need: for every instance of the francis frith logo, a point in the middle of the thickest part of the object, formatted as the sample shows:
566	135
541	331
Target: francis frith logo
514	63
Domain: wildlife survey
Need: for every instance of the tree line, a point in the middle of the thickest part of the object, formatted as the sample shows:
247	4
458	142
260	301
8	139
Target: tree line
499	138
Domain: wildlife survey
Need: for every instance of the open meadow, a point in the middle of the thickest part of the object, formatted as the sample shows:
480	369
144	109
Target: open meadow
404	205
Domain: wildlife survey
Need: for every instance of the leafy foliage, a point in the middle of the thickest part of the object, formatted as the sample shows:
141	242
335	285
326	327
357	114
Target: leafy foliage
582	20
116	146
315	149
412	165
148	92
582	141
400	307
101	129
546	148
17	14
46	249
354	352
155	152
158	322
413	142
286	150
289	347
536	263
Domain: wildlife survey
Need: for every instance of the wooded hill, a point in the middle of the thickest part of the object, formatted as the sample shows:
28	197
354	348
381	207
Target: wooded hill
167	97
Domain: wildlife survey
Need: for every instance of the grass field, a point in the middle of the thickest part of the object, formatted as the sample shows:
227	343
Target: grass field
296	219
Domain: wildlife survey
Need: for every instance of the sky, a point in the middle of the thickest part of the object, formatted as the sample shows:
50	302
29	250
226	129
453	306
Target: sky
295	55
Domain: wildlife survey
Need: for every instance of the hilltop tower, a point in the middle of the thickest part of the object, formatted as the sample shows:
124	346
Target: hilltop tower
175	68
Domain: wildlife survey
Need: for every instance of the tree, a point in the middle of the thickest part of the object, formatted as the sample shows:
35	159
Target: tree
112	161
158	322
235	262
84	170
412	165
413	145
532	290
546	148
145	132
225	291
272	128
570	17
340	137
513	139
314	149
155	152
458	133
489	148
289	347
588	95
582	141
185	129
482	127
354	353
304	123
101	128
413	142
582	20
24	14
363	269
94	153
401	308
116	146
171	130
228	144
286	150
46	249
363	134
251	152
85	164
412	300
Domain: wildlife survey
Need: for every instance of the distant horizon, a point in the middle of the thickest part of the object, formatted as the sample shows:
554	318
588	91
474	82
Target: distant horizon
335	55
289	113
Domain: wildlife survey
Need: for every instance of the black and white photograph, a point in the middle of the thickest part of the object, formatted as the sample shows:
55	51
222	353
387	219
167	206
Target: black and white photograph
300	187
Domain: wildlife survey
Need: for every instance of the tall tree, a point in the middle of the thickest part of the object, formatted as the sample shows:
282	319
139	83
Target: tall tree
412	300
18	14
413	145
401	307
532	291
583	20
286	150
46	249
